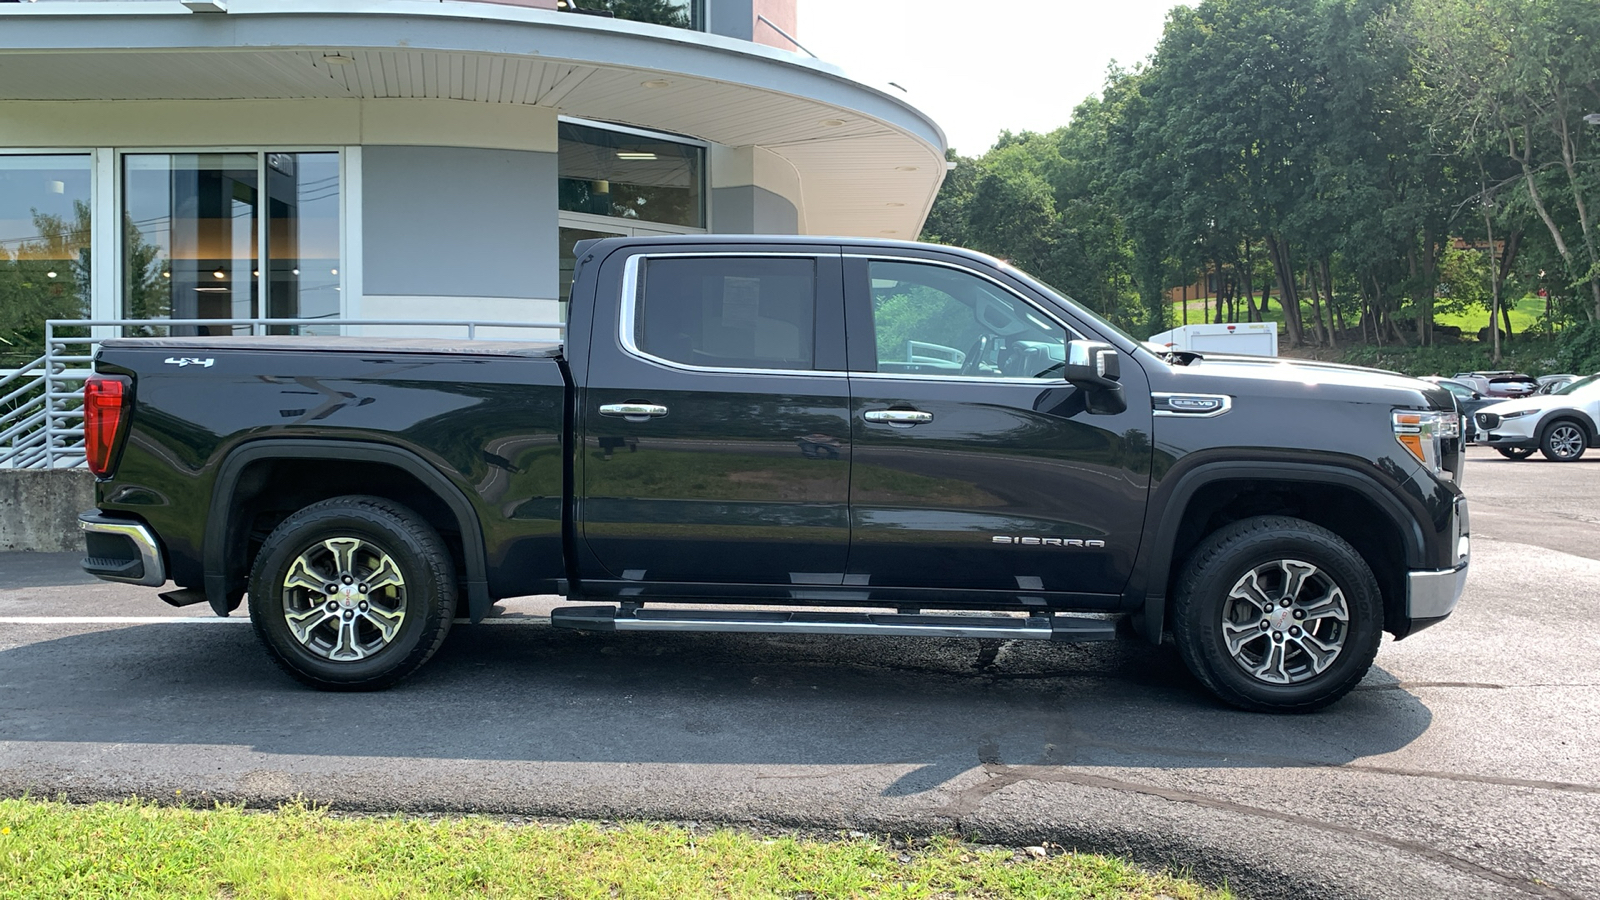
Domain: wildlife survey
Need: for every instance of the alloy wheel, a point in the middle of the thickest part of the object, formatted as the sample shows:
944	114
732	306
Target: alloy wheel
1285	622
344	599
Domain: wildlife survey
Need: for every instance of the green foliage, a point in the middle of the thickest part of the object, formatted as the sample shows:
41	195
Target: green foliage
1530	356
1579	350
41	279
1343	145
1464	278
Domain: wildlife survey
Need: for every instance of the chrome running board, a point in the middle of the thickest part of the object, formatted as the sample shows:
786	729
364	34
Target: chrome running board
1038	628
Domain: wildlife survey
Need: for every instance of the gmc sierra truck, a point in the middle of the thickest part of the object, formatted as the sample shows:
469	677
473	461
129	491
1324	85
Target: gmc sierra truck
787	435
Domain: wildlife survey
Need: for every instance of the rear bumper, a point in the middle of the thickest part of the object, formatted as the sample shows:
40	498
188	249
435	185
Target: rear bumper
1431	595
121	550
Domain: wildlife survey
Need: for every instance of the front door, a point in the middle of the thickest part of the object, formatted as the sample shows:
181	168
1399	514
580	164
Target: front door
715	420
976	465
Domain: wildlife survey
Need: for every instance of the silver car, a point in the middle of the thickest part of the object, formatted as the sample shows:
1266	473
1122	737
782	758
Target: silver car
1560	425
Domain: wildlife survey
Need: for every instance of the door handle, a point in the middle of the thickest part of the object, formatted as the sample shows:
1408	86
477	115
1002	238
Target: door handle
903	418
634	412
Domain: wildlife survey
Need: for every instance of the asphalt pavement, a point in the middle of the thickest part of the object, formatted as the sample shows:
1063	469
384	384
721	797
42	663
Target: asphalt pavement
1463	766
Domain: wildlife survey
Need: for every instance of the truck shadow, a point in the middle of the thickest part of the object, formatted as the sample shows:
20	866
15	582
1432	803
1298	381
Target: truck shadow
533	693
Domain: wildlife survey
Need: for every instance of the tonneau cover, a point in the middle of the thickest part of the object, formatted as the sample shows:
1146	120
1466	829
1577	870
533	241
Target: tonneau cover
339	344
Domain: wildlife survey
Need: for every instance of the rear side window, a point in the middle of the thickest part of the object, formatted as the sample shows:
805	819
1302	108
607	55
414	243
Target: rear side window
728	312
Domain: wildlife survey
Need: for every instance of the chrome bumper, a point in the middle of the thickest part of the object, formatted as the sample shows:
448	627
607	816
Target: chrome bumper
140	563
1434	594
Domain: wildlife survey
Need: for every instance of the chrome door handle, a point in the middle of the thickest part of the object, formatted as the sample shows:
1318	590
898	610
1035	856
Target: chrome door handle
902	417
634	412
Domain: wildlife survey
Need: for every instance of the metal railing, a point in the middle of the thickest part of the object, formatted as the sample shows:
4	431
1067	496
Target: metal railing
41	403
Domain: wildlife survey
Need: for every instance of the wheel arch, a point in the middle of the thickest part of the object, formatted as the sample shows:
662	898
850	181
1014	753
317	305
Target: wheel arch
1350	503
247	471
1576	415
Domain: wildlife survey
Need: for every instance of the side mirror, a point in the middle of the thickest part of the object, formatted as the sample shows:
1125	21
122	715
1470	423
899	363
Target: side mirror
1095	368
1092	363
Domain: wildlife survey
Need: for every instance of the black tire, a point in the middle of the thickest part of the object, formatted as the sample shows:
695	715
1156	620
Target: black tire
1563	440
1514	452
360	637
1277	551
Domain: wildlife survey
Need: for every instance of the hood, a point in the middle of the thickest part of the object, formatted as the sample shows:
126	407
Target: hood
1306	379
1536	402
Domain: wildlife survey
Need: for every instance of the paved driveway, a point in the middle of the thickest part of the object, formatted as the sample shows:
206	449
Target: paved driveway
1464	766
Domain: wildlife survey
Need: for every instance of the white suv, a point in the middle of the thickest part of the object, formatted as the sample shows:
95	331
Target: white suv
1560	425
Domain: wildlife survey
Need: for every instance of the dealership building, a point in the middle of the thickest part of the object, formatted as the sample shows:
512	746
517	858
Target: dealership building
414	159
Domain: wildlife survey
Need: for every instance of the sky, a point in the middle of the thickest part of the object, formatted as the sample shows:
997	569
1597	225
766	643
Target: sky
980	67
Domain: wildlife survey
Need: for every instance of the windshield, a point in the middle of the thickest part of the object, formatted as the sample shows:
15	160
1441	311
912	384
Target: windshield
1582	384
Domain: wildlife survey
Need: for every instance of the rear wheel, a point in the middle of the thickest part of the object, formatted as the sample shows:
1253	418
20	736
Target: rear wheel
353	593
1563	441
1275	614
1515	452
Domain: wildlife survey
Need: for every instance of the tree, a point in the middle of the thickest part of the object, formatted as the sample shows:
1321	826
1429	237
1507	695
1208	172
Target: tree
1513	81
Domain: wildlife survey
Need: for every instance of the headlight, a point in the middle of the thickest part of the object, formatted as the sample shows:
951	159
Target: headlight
1421	431
1518	414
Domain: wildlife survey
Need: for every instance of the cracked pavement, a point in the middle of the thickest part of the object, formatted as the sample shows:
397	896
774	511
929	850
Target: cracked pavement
1463	766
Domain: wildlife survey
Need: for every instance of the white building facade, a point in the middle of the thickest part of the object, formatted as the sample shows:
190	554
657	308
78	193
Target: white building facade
411	159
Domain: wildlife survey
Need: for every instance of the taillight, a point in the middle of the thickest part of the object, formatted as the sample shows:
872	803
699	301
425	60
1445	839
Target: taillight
104	409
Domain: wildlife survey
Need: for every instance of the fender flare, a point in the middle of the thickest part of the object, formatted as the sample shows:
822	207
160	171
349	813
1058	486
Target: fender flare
219	536
1170	503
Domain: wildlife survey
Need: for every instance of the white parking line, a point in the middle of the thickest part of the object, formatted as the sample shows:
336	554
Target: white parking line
202	620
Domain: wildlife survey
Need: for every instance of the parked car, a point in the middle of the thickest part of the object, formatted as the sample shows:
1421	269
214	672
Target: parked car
1468	402
1549	384
1500	384
968	440
1561	426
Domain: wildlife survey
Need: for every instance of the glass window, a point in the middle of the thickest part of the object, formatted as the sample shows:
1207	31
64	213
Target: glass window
630	176
674	13
935	320
728	312
190	235
44	249
303	235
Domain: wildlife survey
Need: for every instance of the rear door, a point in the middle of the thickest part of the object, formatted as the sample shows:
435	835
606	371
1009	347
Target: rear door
714	419
976	466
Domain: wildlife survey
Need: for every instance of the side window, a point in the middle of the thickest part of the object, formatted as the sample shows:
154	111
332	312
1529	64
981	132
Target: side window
934	320
728	312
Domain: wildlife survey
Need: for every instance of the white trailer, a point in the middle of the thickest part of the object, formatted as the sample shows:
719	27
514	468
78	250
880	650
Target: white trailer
1247	338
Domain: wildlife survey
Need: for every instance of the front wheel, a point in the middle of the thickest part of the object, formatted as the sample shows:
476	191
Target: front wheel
1515	452
1563	441
353	593
1275	614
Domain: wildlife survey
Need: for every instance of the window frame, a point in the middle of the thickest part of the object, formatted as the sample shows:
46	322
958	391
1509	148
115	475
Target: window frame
627	319
868	314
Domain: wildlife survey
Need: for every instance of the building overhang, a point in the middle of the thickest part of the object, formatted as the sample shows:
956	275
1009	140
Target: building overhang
868	163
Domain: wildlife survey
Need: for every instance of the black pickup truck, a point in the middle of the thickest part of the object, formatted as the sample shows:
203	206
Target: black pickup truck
855	437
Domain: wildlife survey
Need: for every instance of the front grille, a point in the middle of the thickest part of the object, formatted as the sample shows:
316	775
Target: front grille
1488	420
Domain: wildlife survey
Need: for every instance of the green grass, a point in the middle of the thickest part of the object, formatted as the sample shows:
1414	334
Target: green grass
138	849
1525	316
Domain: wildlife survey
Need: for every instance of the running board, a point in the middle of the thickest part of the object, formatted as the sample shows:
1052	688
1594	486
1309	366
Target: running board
1038	628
